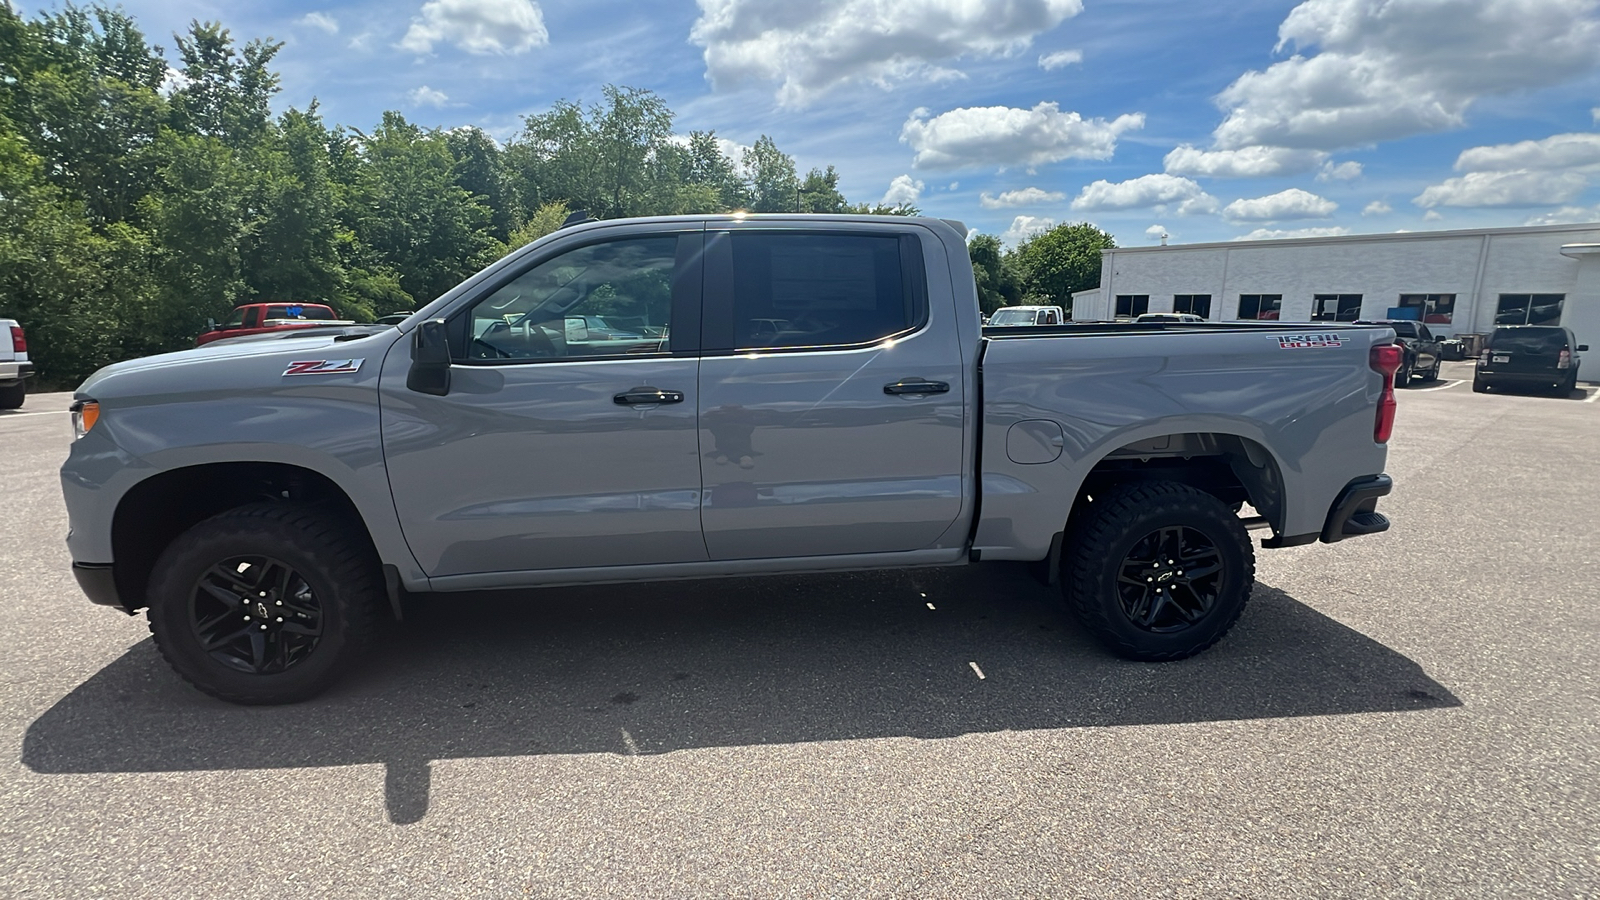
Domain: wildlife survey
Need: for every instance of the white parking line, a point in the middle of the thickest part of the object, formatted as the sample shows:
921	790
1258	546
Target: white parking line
1447	385
627	741
61	412
1594	396
976	669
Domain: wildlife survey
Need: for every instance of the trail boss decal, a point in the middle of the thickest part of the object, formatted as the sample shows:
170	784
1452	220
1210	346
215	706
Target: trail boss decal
1308	341
324	367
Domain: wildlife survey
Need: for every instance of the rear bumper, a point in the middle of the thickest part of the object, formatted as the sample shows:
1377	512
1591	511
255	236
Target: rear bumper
1542	376
99	583
15	371
1355	513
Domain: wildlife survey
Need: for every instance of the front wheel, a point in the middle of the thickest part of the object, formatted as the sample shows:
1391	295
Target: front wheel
1433	373
267	603
1159	571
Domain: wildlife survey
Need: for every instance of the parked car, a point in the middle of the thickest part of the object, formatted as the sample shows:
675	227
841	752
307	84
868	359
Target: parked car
15	369
260	318
268	501
1529	356
1424	353
1168	317
1028	315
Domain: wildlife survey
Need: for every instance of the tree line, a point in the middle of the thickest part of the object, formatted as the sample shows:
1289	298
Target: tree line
138	201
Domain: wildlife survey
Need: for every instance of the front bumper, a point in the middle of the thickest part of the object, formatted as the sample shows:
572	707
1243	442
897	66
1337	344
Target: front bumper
99	583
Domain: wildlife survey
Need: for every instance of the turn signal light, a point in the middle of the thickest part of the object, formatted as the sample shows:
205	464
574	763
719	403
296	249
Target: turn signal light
1564	361
84	414
1385	359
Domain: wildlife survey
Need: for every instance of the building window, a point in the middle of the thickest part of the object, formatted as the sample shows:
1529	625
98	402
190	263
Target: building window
1196	304
1435	309
1529	309
1130	305
1337	308
1260	306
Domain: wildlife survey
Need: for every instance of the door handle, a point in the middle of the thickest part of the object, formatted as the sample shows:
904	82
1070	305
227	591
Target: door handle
917	387
642	395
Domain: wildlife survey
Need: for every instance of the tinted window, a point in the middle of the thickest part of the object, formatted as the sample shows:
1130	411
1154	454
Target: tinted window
1529	340
1403	329
600	300
296	311
811	290
1260	306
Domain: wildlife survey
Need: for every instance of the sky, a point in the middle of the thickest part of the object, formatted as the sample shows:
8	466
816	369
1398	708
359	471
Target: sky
1203	121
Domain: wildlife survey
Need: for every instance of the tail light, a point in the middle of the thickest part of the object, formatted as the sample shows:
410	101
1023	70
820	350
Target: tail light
1564	361
19	343
1385	359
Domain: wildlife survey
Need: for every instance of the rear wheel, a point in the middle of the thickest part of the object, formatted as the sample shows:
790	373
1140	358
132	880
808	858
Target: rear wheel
267	603
11	396
1159	571
1479	386
1433	373
1403	377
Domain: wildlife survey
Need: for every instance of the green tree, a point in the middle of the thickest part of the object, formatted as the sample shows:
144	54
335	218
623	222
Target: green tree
996	275
199	218
770	179
481	171
224	93
1060	261
292	252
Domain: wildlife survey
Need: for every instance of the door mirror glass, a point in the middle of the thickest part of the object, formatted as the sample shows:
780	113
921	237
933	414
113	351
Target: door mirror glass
577	329
1583	348
211	324
430	360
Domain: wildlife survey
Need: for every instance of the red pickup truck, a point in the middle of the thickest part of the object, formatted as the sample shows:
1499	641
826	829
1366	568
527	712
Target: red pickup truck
260	318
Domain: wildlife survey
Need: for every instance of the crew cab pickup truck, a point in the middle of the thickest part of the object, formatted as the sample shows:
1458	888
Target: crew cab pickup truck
269	501
15	369
261	318
1424	352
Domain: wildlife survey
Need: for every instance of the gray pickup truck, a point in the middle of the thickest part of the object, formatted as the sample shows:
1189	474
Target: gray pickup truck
648	399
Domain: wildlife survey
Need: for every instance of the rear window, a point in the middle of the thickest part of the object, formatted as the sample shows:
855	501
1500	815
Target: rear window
296	311
1529	340
1012	317
1404	329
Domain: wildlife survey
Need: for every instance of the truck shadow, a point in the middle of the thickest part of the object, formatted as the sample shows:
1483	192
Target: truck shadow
657	668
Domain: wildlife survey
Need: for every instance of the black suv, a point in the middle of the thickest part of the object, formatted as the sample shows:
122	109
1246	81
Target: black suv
1529	356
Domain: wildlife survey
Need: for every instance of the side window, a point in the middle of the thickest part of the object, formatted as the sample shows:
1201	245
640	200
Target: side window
252	317
606	299
814	290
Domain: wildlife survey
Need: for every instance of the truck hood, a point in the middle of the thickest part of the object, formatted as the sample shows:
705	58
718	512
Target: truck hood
219	363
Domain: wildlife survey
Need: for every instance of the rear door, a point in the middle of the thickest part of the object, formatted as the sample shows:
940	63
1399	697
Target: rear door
840	432
559	446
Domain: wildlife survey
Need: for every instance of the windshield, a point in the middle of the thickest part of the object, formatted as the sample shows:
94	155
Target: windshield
1012	317
297	311
1529	340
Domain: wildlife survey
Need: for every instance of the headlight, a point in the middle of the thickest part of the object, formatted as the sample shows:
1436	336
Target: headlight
84	414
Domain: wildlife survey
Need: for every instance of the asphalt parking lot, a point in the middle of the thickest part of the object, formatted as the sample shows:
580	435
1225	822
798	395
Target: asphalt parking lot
1407	715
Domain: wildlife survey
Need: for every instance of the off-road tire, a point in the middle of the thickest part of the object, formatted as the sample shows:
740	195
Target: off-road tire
1113	527
327	553
11	396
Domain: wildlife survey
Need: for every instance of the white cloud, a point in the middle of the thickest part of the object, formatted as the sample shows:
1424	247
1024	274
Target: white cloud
1246	162
1290	204
1274	234
1518	187
1004	136
1566	215
1596	113
1144	192
955	185
361	42
903	191
172	82
1432	215
320	20
480	27
1155	232
1024	227
1382	69
427	96
1377	208
1345	171
1052	61
812	46
1559	151
1029	196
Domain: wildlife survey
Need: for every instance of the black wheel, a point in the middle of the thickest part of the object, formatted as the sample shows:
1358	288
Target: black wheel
1479	386
267	603
11	396
1402	378
1433	373
1159	571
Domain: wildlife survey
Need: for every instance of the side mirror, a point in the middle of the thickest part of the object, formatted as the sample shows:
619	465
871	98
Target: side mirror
211	324
1583	348
430	360
577	328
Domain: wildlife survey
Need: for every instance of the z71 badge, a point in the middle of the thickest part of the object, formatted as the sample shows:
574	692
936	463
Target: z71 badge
1308	341
324	367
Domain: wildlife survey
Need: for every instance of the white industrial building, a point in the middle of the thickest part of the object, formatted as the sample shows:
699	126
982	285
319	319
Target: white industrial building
1456	281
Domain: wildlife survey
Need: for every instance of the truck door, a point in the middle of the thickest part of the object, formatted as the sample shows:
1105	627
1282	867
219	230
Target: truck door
567	438
839	431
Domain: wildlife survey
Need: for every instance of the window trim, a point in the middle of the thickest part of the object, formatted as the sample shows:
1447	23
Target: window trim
1527	312
717	322
686	275
1190	310
1338	301
1239	312
1133	305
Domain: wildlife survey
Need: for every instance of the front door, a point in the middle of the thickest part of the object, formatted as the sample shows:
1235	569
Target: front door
567	438
831	409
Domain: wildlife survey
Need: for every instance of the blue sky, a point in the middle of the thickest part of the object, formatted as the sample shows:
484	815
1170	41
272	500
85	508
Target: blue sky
1208	121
